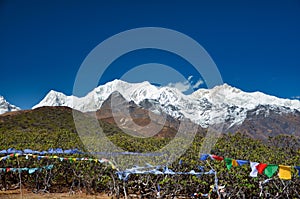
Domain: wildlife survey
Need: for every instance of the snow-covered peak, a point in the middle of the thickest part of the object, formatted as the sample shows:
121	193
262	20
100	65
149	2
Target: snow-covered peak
130	91
54	98
236	97
7	107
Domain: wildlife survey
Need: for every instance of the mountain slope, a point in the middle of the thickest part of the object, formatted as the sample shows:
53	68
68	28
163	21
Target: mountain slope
265	121
6	106
141	121
221	104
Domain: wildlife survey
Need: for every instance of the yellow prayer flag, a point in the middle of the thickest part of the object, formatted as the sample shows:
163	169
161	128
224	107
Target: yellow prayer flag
234	163
285	172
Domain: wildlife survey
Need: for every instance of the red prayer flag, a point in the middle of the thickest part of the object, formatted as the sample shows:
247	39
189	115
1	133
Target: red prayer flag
217	157
261	167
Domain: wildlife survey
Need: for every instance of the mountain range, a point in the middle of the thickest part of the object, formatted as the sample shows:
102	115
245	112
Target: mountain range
253	113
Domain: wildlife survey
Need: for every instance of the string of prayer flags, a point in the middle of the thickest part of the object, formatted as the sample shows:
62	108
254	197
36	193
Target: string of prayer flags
285	172
50	151
204	157
124	175
75	151
30	170
70	159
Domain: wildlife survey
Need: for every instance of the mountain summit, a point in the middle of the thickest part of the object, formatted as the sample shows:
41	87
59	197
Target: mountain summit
6	106
221	104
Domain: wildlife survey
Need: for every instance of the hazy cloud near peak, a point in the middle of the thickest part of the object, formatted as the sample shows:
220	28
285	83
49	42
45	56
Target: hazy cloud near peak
181	86
296	97
198	83
186	85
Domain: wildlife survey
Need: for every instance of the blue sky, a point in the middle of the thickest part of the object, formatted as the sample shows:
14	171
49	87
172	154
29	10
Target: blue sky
255	45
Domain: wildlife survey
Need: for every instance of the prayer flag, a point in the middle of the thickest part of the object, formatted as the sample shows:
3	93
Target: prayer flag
270	170
285	172
254	169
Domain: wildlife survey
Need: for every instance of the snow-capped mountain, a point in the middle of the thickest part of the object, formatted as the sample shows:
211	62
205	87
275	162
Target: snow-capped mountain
7	107
204	107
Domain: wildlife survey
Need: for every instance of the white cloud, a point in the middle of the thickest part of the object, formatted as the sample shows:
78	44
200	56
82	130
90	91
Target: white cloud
186	85
181	86
198	83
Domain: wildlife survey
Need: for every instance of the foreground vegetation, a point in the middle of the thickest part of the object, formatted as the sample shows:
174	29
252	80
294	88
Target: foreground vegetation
55	129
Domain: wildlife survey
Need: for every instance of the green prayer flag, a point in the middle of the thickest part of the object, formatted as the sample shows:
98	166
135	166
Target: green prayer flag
228	162
270	170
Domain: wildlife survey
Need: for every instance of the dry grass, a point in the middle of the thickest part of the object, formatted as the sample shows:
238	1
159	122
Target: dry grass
15	194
